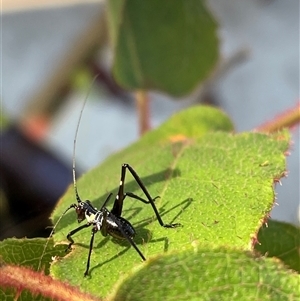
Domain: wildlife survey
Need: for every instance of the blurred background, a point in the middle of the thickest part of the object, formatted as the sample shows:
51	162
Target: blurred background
50	53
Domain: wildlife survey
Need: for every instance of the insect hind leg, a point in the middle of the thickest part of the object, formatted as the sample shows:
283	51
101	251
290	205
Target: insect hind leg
134	196
118	205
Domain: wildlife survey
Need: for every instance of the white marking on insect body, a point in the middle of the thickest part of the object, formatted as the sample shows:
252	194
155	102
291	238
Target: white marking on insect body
90	217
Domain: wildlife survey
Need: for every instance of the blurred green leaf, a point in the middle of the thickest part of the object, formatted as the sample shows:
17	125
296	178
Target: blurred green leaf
210	274
27	252
167	45
4	120
280	240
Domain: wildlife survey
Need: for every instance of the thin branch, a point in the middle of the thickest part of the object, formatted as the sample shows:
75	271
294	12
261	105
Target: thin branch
287	119
142	104
22	278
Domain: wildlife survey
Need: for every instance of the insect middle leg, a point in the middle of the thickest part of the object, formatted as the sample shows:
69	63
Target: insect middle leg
94	230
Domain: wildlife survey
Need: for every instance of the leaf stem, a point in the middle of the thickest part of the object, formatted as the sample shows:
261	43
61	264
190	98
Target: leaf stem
287	119
142	104
22	278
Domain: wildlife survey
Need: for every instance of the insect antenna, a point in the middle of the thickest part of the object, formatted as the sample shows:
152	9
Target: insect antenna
75	139
74	174
51	233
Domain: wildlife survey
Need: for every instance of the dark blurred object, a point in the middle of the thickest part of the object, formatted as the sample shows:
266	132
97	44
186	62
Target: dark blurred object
32	180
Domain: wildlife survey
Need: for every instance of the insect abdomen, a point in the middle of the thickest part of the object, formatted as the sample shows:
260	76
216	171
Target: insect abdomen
114	230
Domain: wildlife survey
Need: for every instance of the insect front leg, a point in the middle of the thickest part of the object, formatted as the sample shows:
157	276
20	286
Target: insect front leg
71	233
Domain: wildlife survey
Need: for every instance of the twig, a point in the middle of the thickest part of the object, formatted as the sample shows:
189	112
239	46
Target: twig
142	104
22	278
287	119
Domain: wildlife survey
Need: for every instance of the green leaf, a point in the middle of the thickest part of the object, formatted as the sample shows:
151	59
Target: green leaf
4	120
219	186
164	45
193	122
29	253
208	274
280	240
